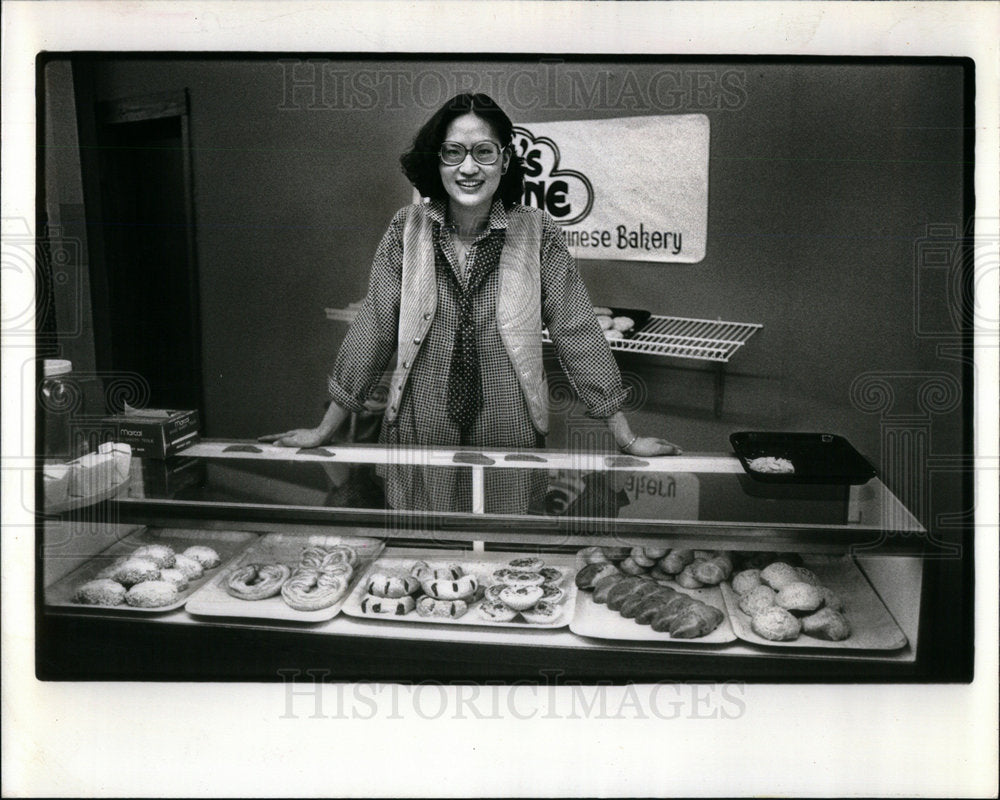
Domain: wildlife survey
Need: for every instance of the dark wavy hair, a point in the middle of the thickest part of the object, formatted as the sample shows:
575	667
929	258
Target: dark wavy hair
421	165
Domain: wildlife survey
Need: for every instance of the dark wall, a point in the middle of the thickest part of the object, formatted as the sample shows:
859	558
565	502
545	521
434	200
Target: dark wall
822	178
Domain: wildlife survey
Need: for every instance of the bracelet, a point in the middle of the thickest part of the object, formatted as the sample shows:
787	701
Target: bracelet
631	442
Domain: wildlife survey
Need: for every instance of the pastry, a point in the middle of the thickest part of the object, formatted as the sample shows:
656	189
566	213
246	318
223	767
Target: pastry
450	609
638	555
604	586
525	579
520	597
543	612
710	573
800	598
450	573
492	592
660	576
771	465
593	555
503	574
552	593
422	571
496	611
687	579
257	581
592	573
655	553
100	592
632	567
826	624
631	605
605	321
623	323
152	594
552	574
619	595
391	586
831	599
526	564
311	590
460	589
176	577
756	600
675	561
135	570
776	624
616	553
613	334
699	619
807	576
396	606
779	575
746	581
206	556
602	311
191	568
159	554
656	605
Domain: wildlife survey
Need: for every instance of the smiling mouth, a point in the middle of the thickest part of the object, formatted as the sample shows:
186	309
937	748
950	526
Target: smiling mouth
469	184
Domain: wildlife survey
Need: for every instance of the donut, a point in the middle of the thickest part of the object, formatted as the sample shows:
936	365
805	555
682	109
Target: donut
206	556
159	554
496	611
542	613
388	586
526	564
451	609
459	589
100	592
521	597
525	579
257	581
397	606
176	577
152	594
135	570
191	568
311	590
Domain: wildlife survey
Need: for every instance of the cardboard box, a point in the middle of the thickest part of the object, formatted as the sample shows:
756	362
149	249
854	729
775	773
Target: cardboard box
153	433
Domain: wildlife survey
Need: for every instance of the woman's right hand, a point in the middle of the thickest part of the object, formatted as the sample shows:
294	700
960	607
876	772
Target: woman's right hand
300	437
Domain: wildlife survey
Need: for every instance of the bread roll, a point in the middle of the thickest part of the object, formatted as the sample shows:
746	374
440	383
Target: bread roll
746	581
776	624
826	624
675	561
779	575
800	597
756	600
687	579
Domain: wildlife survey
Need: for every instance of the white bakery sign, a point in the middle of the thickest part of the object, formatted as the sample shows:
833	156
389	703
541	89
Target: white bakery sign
630	188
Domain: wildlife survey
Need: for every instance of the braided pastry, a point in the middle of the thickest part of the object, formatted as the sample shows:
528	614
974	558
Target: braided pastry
257	581
311	590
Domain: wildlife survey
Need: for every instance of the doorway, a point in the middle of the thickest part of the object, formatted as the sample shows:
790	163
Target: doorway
145	280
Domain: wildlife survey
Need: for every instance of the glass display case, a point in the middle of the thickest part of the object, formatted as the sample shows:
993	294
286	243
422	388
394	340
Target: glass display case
859	537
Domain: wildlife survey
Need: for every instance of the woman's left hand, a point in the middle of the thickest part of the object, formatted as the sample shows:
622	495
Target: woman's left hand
652	446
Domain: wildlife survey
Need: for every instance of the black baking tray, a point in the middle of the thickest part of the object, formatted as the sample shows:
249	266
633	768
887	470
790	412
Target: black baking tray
818	458
638	315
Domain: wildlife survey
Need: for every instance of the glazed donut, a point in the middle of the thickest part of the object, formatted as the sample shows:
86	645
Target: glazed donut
526	564
542	613
176	577
309	590
459	589
388	586
206	556
135	570
521	597
159	554
429	607
257	581
397	606
152	594
100	592
496	611
191	568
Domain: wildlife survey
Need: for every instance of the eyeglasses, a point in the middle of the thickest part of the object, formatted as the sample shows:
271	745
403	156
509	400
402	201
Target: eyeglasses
453	153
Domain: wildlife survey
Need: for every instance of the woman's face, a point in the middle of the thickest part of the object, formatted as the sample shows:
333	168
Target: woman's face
469	184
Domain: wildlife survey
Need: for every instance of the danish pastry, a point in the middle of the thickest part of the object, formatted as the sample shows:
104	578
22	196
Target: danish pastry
257	581
452	609
541	613
496	611
395	606
460	589
391	586
311	590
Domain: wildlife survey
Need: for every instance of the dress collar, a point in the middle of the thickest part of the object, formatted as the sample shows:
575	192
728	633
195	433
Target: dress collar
438	210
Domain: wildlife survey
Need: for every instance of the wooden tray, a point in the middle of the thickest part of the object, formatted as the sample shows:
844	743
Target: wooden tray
600	622
279	548
482	565
228	544
872	626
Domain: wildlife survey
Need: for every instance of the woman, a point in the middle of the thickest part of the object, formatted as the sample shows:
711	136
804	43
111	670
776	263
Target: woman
460	289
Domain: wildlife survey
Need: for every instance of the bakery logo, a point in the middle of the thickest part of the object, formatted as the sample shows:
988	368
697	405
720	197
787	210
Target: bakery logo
564	193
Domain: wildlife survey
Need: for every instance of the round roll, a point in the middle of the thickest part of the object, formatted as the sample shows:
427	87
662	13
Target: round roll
100	592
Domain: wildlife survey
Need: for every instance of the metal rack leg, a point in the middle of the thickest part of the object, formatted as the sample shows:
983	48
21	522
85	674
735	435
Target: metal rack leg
720	380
